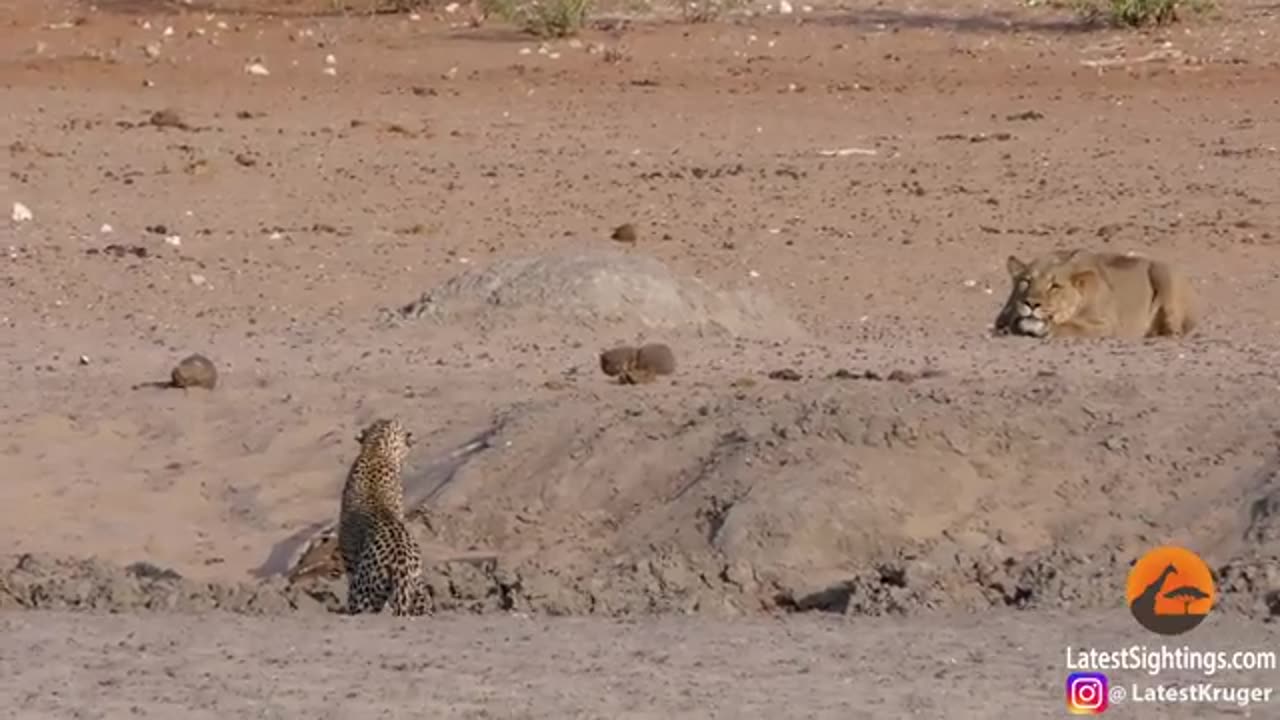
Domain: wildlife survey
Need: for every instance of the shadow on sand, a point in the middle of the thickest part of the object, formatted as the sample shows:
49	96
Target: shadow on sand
986	23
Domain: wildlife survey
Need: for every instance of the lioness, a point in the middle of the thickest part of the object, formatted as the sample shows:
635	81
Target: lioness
1074	293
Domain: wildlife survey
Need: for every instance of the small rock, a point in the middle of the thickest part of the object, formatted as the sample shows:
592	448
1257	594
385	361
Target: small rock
117	250
173	240
198	279
784	7
330	60
332	72
167	118
21	213
194	370
787	374
256	69
625	233
84	359
106	229
451	8
151	50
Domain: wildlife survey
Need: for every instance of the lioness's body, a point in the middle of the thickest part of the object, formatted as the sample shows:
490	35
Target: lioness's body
1074	293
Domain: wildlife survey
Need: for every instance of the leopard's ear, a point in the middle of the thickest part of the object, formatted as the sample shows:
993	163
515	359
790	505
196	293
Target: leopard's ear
1015	266
360	437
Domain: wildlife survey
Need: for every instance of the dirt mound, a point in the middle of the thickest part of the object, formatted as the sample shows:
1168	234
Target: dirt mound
855	496
596	290
840	495
847	495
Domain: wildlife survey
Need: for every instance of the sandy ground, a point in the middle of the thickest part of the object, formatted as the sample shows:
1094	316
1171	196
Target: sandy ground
816	196
222	666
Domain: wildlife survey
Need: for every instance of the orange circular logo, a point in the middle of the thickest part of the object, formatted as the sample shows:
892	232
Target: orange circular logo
1170	590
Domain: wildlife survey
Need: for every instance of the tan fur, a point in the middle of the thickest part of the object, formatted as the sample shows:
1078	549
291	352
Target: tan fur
1075	293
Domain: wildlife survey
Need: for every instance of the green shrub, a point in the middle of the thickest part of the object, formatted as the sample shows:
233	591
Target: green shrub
1139	13
544	18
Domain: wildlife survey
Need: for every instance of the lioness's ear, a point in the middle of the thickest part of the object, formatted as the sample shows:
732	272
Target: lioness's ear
1016	267
1084	278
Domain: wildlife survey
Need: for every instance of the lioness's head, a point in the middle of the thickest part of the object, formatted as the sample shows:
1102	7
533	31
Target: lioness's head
1050	289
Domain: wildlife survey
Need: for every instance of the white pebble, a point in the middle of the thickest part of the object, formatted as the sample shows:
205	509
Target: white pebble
106	229
330	60
21	213
174	240
256	69
198	280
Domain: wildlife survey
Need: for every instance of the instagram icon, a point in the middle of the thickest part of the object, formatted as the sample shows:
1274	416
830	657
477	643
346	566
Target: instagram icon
1086	693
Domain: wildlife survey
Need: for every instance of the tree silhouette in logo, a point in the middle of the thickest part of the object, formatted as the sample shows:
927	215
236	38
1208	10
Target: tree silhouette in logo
1187	594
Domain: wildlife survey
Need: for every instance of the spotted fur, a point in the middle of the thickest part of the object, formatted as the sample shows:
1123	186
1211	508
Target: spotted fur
383	561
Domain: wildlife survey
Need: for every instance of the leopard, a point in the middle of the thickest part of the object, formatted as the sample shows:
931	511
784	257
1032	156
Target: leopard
381	556
1075	293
